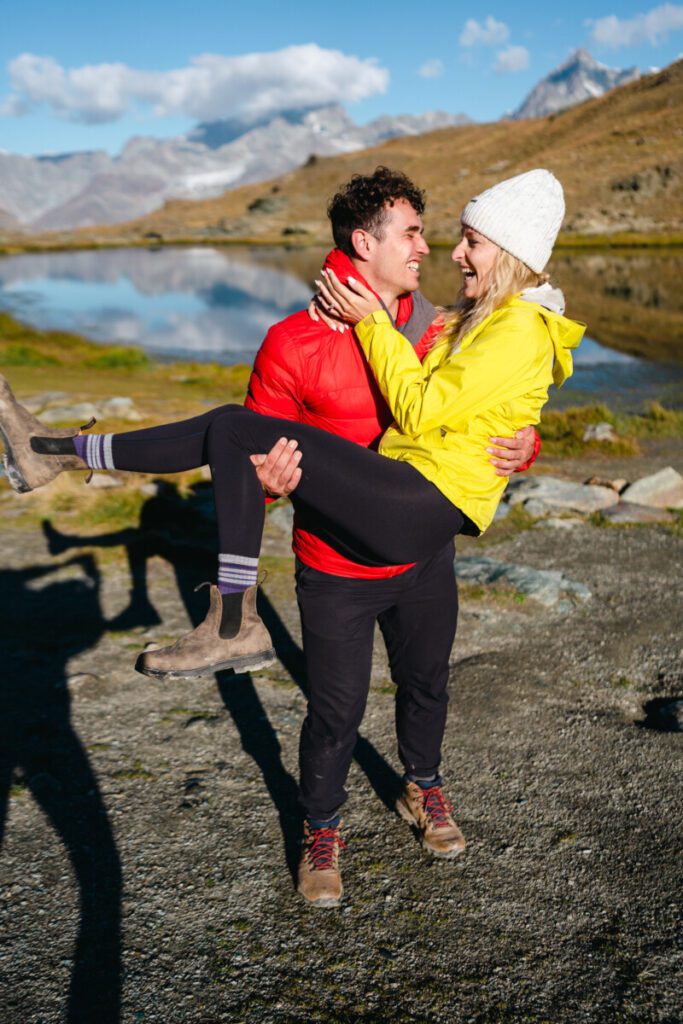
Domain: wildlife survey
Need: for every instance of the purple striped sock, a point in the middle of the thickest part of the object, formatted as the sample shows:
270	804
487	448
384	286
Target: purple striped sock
236	573
79	444
95	450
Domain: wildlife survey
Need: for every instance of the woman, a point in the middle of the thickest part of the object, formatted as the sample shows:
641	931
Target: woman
488	374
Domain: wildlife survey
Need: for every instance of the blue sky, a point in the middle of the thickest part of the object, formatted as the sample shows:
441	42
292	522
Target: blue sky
83	76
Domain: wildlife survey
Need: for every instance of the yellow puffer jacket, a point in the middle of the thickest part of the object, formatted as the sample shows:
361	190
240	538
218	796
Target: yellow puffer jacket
447	407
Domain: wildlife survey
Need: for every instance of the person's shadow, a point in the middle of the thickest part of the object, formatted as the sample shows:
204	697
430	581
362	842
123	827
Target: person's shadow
46	621
182	531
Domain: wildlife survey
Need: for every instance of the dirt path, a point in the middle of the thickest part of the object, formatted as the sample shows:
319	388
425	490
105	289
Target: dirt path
152	828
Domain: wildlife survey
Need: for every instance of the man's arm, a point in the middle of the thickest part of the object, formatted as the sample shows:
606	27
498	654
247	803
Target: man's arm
274	390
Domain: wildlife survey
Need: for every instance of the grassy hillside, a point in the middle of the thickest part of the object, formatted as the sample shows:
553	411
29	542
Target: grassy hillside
619	157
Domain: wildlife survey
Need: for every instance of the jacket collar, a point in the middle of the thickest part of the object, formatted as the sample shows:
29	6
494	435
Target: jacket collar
340	263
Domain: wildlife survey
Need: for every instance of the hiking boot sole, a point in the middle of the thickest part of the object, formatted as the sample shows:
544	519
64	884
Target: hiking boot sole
406	814
324	903
247	663
15	478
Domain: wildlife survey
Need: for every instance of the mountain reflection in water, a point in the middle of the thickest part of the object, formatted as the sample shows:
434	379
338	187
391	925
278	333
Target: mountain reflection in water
217	304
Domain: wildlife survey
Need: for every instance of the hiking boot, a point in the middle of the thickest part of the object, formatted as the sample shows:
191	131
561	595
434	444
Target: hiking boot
26	468
431	813
320	881
206	650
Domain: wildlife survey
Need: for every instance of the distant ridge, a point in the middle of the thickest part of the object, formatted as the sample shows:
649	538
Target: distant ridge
72	190
619	157
580	78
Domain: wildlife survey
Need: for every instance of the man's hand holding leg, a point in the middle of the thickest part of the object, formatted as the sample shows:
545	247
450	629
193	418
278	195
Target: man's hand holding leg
278	471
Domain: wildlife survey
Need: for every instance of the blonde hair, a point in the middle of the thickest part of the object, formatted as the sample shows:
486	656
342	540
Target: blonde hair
507	277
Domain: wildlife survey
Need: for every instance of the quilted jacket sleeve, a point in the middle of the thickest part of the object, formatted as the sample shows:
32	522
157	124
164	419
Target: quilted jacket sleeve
273	388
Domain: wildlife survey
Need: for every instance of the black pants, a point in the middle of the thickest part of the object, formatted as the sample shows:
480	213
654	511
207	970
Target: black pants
378	509
417	612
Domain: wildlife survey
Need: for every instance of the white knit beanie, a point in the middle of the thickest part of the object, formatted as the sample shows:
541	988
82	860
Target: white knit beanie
522	215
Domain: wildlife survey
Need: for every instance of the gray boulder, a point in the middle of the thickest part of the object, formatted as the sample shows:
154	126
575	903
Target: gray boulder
72	415
629	512
556	495
662	490
547	586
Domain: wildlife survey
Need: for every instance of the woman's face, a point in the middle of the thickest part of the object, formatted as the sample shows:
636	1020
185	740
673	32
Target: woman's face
476	256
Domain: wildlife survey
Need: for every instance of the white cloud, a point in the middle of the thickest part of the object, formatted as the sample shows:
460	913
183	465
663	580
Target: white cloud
512	58
489	33
653	26
432	68
212	87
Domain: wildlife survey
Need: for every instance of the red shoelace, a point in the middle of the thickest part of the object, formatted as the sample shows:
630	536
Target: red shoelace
321	850
437	807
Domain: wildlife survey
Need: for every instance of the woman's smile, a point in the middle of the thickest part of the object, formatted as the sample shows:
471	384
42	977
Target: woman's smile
476	256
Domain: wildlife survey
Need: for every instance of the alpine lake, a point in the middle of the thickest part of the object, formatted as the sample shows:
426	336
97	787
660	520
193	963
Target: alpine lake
216	304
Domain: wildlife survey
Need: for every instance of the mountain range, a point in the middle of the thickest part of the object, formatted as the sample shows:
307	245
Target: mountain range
78	189
619	158
73	190
580	78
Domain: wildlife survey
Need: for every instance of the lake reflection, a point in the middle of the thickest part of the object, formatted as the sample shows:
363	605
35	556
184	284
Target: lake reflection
185	303
217	304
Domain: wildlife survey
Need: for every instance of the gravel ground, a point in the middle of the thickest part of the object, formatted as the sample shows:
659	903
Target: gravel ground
152	829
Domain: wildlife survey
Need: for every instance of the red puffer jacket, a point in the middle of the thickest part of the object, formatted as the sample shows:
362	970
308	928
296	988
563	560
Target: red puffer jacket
304	371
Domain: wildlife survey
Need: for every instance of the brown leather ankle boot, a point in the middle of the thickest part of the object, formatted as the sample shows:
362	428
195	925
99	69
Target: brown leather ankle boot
204	650
27	469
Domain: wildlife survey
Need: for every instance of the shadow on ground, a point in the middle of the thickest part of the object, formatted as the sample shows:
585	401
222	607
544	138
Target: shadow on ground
50	614
181	530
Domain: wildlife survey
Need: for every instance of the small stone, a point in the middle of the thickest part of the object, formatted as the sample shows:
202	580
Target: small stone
616	485
105	480
82	679
662	490
599	432
37	402
121	408
74	415
629	512
502	511
149	489
118	405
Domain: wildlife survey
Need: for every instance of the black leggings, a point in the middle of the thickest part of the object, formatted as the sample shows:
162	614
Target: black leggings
368	505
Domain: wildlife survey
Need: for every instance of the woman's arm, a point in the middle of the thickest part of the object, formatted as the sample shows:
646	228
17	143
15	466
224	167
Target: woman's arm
500	364
494	368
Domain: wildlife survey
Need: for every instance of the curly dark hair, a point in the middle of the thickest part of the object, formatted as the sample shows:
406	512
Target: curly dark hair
363	201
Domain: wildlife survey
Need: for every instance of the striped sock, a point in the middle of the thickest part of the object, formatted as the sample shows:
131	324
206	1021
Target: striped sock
95	450
236	573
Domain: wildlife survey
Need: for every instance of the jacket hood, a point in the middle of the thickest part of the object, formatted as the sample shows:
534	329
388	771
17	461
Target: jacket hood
545	295
340	263
565	334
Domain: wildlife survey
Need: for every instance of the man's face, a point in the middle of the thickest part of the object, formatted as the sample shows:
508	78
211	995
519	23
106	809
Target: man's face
392	264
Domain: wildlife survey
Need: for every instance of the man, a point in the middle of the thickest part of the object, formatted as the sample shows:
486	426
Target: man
309	371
